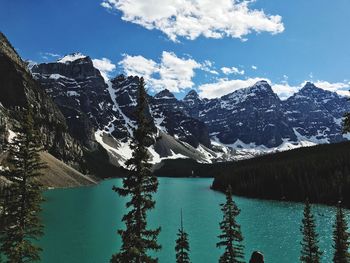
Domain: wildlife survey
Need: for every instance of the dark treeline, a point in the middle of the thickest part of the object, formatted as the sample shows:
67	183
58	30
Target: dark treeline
320	173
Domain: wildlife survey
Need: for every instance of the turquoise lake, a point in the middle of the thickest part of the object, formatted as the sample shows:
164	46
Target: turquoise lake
81	223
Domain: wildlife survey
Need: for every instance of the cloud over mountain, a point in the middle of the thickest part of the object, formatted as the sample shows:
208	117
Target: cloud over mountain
191	19
172	72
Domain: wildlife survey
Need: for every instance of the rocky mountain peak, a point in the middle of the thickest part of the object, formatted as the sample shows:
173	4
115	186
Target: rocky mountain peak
75	66
192	94
261	86
73	57
309	87
18	89
262	83
6	49
192	97
260	93
193	103
80	92
311	92
164	94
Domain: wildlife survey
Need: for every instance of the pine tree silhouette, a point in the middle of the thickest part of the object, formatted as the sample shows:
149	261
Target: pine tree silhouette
231	237
139	185
182	247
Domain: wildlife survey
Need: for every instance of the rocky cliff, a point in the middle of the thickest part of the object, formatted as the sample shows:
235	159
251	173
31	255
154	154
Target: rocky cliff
20	90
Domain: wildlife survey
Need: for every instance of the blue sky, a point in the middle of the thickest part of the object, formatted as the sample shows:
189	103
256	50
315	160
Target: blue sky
287	42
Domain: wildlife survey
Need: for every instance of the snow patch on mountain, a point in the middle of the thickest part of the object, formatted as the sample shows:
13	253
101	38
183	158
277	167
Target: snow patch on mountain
71	57
11	136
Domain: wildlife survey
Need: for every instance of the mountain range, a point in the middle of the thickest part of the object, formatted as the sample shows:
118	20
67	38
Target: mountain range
81	114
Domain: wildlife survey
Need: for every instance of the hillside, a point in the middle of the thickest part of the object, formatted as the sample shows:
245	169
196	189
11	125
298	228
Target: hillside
58	174
321	173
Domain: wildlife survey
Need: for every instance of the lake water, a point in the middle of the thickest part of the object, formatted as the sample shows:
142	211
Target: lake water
81	223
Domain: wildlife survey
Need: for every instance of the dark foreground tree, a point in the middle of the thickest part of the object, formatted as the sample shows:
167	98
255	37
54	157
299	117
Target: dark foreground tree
2	215
310	252
22	223
139	186
341	238
346	122
182	247
231	237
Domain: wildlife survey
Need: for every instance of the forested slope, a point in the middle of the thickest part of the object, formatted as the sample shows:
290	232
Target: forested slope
321	173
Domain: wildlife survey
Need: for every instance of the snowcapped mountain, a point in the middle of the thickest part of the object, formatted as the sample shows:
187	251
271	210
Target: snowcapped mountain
171	116
252	115
242	124
80	92
316	114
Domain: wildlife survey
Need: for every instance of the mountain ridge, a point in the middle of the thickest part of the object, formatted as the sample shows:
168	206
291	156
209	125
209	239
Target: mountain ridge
248	121
242	124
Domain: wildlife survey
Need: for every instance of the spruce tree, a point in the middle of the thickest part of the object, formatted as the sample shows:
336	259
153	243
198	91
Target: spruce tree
182	247
139	185
22	223
341	238
4	199
310	252
346	122
2	215
231	237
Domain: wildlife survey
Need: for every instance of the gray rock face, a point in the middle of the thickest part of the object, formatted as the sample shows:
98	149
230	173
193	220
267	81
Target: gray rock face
317	113
18	89
254	114
173	115
80	92
194	103
124	92
167	102
257	115
165	111
4	128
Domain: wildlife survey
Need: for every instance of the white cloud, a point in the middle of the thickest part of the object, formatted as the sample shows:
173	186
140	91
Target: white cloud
52	54
254	67
49	55
107	5
342	88
232	70
138	66
105	66
284	90
171	72
225	86
193	18
207	66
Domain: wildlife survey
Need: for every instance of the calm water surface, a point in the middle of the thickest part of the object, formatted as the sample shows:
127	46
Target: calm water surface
81	223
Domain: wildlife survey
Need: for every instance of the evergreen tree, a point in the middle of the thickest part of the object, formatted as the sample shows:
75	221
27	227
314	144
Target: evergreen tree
22	222
139	185
341	238
346	122
231	237
310	252
182	247
2	215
